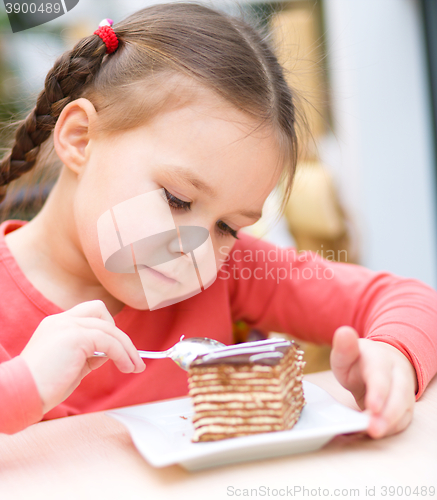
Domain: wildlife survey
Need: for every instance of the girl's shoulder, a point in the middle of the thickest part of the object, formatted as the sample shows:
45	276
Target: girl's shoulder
7	227
22	302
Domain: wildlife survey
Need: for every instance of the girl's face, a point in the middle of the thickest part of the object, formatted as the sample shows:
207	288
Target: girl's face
215	175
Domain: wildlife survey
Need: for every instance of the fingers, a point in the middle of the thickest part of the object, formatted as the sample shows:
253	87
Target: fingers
378	377
345	350
112	330
94	363
397	410
94	314
91	308
114	349
345	360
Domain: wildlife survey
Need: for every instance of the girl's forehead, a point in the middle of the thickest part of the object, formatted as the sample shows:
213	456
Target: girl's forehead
221	145
205	133
206	143
195	121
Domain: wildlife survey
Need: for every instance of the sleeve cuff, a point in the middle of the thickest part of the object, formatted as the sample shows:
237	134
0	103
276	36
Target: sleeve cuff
21	403
421	382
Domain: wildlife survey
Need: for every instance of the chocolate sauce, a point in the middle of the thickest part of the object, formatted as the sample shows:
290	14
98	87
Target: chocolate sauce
262	352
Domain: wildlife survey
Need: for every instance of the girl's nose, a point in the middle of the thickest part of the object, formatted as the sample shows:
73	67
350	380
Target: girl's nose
174	245
187	238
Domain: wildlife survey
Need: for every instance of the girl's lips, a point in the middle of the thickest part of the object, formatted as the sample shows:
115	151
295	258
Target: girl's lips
157	273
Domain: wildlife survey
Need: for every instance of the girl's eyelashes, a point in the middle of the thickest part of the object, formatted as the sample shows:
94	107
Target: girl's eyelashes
225	230
176	203
222	228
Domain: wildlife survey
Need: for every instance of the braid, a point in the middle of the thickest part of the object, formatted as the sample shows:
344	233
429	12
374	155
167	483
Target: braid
64	83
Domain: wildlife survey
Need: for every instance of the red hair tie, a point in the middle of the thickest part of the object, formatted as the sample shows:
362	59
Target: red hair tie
107	34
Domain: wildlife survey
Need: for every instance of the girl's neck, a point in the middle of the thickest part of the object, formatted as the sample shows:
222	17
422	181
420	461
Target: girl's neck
48	251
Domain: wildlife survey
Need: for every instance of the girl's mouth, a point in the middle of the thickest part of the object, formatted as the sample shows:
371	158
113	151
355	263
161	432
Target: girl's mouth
157	274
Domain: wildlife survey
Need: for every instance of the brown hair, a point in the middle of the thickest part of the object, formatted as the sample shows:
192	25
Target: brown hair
221	52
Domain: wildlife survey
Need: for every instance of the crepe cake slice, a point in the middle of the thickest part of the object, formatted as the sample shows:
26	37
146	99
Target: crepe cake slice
246	389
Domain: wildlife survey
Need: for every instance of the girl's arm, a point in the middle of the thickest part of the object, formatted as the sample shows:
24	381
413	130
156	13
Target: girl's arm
309	297
20	402
52	365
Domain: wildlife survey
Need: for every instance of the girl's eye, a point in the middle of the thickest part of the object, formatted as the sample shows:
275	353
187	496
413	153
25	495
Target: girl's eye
225	230
176	203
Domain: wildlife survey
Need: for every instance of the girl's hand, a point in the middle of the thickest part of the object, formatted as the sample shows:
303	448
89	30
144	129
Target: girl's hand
380	377
59	353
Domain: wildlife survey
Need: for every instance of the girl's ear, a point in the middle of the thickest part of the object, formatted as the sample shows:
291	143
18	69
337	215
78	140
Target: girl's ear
71	133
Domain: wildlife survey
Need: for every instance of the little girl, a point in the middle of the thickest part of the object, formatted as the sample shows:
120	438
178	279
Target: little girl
187	100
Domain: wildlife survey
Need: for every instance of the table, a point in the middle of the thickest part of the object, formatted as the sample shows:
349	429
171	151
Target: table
92	456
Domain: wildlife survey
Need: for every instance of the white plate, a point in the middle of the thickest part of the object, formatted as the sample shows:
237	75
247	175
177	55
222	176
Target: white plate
162	432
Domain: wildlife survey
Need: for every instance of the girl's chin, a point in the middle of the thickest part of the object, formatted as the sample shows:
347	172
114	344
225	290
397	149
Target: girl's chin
131	296
139	303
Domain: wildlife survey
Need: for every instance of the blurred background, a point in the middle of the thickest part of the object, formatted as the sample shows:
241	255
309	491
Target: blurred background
365	72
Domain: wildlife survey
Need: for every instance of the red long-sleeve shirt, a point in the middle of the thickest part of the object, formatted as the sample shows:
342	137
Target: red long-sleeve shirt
270	288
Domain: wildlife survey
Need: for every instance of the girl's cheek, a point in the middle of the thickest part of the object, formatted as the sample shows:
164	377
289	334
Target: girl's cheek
223	252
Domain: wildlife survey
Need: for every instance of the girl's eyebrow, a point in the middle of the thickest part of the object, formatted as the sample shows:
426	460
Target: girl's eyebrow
250	214
185	176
